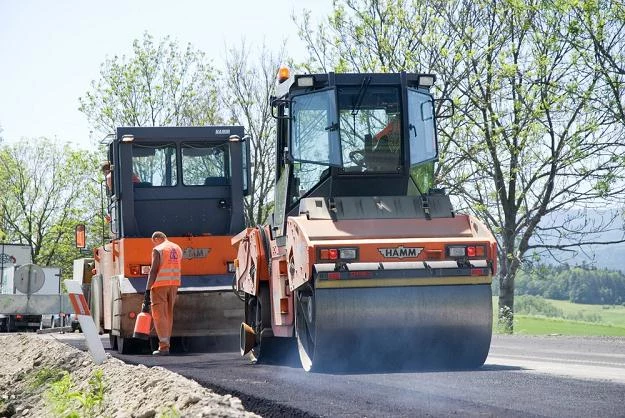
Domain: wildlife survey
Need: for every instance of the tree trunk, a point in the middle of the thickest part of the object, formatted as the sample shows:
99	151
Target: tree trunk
507	273
506	301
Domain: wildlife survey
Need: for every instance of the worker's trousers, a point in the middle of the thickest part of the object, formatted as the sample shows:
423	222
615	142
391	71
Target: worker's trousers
163	300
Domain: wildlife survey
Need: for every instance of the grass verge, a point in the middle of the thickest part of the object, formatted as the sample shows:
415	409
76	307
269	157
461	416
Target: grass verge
607	320
533	325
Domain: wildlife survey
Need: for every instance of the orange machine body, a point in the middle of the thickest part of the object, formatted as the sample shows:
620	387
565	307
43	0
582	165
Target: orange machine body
192	188
381	241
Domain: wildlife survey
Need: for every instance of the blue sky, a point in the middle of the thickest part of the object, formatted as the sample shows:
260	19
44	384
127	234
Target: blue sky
50	51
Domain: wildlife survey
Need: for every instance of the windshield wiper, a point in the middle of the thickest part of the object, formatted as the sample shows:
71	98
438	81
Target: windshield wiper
361	95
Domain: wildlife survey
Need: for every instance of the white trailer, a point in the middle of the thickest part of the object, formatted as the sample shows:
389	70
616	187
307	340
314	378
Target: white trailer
19	309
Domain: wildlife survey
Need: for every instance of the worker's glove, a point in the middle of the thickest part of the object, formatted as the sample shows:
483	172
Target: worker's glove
146	301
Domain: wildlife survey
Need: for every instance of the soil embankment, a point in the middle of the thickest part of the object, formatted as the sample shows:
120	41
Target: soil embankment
41	377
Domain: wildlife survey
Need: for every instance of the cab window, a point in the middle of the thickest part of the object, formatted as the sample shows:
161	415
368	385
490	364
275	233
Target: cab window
154	165
204	164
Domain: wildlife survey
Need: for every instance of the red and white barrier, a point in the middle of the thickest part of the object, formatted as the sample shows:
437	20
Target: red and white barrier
81	308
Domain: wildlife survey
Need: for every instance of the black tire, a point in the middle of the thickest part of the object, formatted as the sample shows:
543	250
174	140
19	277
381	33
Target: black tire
113	341
10	324
259	318
126	345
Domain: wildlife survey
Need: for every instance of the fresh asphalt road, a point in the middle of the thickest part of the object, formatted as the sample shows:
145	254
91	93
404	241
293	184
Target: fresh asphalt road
523	376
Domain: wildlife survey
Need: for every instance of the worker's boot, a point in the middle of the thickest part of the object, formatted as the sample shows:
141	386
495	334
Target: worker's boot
163	347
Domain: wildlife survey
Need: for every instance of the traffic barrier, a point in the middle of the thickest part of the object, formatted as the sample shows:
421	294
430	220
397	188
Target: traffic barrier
81	308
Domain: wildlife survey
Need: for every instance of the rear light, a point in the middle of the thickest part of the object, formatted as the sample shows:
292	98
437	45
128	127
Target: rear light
231	266
470	251
347	253
145	269
456	251
132	315
18	317
336	254
135	269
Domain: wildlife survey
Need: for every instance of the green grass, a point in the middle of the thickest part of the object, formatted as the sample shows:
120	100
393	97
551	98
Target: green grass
533	325
612	321
45	376
66	401
610	314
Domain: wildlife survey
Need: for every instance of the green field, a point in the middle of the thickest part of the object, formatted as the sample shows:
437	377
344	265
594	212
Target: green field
612	321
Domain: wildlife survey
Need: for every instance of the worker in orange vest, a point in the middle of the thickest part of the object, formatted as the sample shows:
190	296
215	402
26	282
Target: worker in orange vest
163	283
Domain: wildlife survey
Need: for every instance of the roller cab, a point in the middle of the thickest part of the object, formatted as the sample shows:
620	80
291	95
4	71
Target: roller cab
188	183
365	262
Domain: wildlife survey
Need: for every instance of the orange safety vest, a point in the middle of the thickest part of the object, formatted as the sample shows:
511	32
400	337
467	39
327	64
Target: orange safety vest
171	264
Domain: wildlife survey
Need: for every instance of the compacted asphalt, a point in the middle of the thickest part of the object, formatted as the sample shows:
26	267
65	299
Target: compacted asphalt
523	377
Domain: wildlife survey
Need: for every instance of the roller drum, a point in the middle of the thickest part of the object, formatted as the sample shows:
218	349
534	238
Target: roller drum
395	327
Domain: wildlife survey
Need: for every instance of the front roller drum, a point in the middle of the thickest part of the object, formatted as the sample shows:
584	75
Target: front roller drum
394	328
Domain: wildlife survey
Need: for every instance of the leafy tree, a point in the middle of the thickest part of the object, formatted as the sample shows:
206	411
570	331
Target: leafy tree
601	26
159	85
46	191
526	141
248	84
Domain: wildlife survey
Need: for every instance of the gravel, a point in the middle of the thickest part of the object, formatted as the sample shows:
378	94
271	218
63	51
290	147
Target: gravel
30	364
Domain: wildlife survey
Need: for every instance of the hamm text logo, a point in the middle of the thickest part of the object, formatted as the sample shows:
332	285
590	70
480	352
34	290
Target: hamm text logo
400	252
191	252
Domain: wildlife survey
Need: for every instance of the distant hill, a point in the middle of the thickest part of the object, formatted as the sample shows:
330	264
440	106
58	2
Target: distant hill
611	256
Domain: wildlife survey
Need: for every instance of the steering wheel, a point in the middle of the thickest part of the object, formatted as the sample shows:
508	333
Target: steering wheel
358	158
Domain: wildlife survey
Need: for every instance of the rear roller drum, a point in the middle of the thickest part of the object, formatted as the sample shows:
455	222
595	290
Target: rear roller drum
393	328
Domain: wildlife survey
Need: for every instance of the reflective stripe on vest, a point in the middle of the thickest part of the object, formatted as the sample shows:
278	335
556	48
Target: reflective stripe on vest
170	264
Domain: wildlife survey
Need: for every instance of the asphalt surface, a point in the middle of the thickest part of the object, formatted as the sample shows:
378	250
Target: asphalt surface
523	377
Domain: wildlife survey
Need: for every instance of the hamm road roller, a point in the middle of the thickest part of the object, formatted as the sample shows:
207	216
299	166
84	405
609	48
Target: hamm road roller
364	262
188	182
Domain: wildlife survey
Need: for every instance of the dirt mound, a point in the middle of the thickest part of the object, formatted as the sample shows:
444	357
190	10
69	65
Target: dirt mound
41	377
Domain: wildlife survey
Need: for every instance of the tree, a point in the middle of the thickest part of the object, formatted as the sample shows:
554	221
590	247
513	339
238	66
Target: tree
46	191
601	26
525	142
248	84
159	85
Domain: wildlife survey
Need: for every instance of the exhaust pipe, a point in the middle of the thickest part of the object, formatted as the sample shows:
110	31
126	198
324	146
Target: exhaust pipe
247	338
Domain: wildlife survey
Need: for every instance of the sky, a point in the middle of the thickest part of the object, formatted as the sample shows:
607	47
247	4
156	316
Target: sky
50	51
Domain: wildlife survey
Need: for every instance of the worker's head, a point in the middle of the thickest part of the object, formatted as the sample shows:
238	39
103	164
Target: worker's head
106	167
158	237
